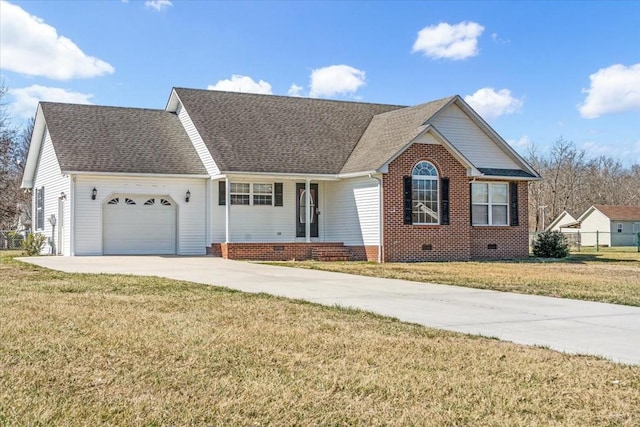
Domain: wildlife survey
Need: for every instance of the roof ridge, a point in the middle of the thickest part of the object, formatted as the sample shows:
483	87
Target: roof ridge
71	104
324	100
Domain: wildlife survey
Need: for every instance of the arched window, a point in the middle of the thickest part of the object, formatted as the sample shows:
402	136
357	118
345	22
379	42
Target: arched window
424	194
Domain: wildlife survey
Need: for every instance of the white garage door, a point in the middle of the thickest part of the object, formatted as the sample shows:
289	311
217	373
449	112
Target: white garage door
139	225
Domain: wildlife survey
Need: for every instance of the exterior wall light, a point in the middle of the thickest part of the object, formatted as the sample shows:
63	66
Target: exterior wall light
94	193
63	196
187	196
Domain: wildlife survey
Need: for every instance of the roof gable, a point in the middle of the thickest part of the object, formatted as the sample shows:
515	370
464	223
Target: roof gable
565	218
89	138
276	134
390	133
619	212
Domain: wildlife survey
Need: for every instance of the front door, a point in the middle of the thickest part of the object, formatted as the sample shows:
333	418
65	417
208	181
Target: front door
301	209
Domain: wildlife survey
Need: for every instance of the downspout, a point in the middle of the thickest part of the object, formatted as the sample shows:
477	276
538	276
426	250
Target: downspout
380	219
72	215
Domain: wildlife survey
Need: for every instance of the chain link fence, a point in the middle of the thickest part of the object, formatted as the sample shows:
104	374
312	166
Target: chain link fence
597	240
11	239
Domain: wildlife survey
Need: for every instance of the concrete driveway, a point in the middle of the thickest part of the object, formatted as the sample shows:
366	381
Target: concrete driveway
608	330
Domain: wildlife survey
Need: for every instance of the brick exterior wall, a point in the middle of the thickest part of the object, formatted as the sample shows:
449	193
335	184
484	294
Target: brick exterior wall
458	241
287	251
510	242
405	242
364	253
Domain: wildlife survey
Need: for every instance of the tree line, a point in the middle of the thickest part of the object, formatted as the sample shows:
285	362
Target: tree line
572	181
14	145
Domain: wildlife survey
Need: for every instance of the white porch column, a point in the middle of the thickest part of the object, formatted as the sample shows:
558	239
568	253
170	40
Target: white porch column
307	207
72	215
227	210
207	212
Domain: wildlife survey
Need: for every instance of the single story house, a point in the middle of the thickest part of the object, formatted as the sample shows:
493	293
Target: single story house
610	225
565	222
248	176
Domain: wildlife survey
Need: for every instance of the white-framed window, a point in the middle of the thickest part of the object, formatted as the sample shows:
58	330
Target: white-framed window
620	227
240	193
424	194
489	203
262	194
40	208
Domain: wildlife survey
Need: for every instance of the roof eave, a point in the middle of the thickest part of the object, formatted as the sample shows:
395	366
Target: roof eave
35	146
120	174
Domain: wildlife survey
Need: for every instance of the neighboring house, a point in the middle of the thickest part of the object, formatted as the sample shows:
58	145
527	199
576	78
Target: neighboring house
611	225
565	222
251	176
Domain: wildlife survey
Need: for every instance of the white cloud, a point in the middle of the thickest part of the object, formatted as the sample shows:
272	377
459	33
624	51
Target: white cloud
614	89
498	40
295	90
458	41
29	46
522	143
491	104
158	4
27	98
335	80
239	83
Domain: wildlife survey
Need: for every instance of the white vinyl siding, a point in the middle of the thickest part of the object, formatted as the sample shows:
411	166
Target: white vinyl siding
197	141
352	215
471	140
49	176
260	223
190	228
596	220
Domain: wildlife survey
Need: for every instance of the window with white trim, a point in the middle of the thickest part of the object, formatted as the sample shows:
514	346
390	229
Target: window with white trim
40	208
263	194
424	194
240	193
489	203
620	227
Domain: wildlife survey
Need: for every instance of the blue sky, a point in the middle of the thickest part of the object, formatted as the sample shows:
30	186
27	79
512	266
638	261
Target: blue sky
536	71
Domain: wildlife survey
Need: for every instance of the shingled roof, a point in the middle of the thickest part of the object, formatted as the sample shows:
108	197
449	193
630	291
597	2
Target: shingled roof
620	212
276	134
89	138
388	133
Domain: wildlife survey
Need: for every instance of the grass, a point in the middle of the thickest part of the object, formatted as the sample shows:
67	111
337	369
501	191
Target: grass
79	349
605	276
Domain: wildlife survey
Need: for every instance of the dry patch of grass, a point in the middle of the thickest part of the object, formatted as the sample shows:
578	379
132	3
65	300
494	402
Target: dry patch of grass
612	277
123	350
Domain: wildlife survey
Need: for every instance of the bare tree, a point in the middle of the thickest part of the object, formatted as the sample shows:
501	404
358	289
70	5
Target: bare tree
572	182
13	151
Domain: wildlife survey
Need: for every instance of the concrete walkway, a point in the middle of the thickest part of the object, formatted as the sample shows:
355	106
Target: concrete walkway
608	330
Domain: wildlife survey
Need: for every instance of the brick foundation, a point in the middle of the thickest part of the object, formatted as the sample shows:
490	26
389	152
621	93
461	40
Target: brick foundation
364	253
214	250
287	251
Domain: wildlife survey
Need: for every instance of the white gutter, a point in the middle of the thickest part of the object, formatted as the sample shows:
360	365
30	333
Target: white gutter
149	175
380	217
294	176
